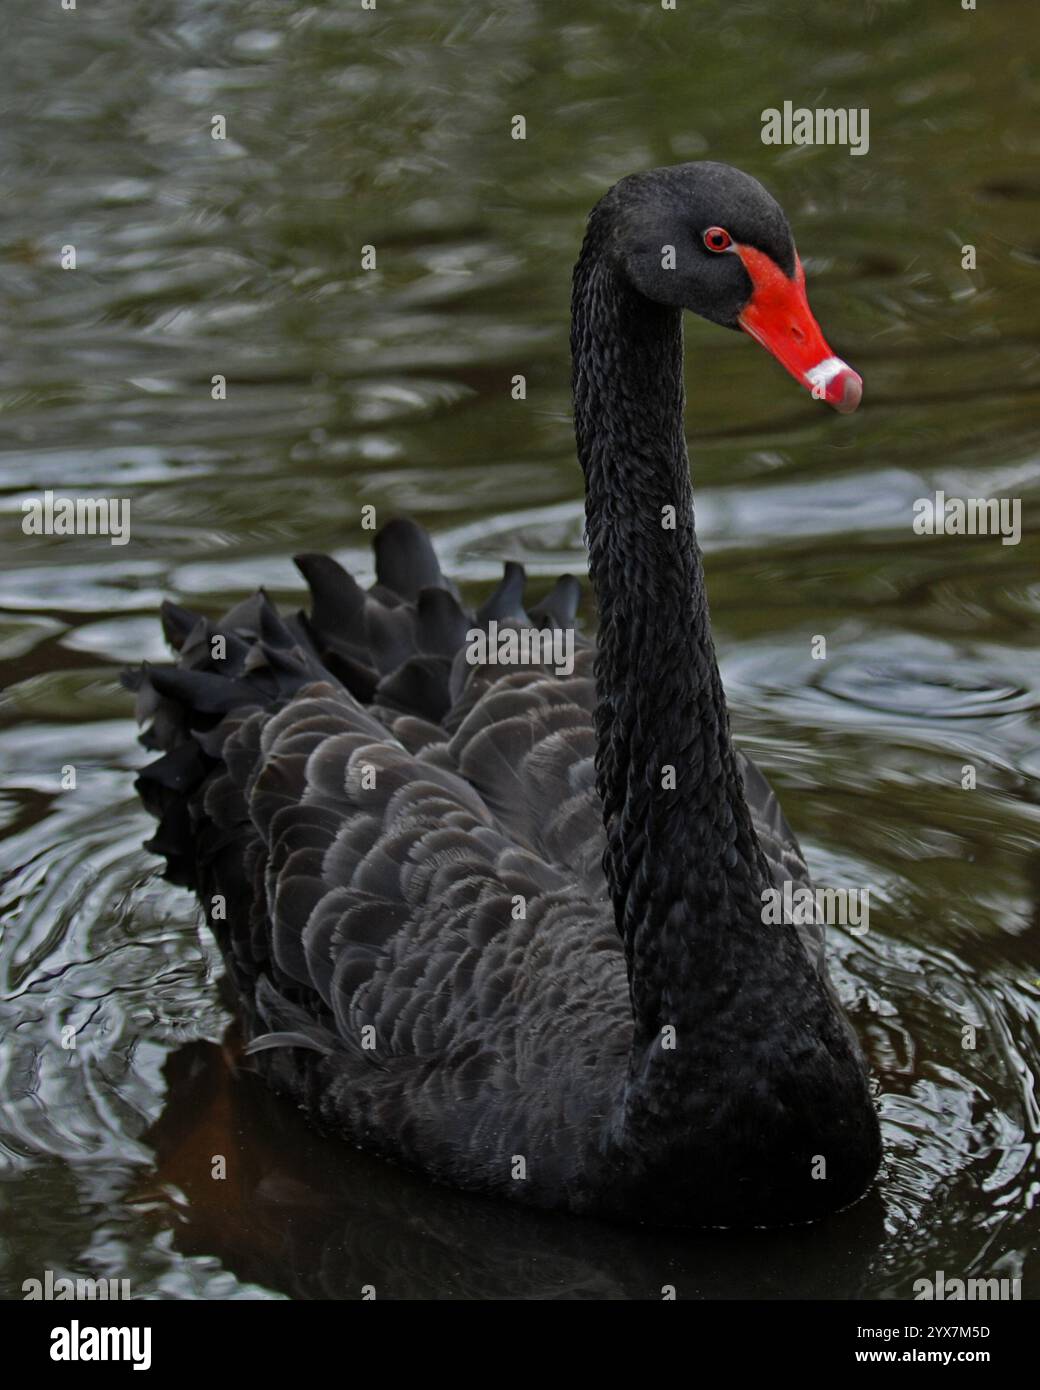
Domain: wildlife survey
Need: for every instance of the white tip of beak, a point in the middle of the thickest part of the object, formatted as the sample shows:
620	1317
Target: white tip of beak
840	386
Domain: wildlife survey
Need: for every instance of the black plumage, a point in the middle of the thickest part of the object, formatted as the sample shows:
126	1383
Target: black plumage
470	924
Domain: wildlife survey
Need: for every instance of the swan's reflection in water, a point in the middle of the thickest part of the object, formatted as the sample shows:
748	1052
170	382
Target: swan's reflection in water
311	1218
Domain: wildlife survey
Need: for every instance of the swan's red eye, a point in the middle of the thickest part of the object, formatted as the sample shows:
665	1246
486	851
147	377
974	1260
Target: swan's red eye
717	239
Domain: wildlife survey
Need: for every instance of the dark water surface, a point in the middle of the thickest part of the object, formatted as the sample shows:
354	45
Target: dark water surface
392	387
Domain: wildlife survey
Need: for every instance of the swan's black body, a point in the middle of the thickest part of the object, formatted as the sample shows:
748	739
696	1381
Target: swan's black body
436	947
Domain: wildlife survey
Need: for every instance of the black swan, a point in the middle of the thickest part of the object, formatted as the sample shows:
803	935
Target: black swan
504	925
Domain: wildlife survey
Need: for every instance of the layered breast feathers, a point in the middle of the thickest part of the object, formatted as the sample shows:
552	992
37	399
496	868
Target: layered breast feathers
399	852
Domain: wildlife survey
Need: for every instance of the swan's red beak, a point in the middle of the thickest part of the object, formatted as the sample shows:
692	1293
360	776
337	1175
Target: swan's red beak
778	316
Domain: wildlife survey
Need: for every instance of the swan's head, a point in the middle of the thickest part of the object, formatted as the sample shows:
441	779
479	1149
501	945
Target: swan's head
708	238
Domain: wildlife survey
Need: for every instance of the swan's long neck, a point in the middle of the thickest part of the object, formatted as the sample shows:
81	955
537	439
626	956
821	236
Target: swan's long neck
683	863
